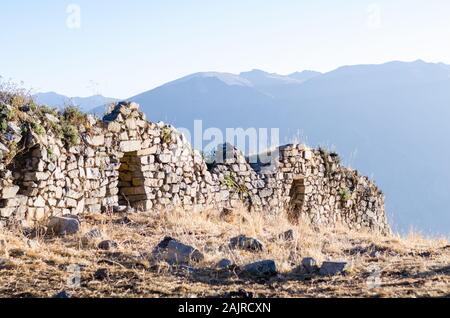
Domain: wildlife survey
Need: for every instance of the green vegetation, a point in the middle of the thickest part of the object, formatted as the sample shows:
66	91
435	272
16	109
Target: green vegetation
6	114
74	115
47	110
3	125
38	129
51	154
71	135
231	183
166	135
345	195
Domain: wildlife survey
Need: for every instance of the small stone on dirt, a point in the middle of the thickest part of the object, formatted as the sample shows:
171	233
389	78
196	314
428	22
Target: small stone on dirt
241	293
224	264
101	274
66	225
107	245
246	243
287	236
310	265
262	268
176	253
62	294
333	268
6	264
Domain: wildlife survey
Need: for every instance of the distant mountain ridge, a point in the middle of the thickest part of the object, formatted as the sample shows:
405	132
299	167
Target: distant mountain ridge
86	104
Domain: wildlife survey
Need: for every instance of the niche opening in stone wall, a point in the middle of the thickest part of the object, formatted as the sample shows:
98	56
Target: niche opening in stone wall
297	199
131	181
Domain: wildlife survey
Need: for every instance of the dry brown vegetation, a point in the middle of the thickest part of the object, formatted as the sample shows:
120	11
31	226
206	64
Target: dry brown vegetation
40	266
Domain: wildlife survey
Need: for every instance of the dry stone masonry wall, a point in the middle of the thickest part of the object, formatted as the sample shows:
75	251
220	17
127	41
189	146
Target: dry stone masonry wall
125	162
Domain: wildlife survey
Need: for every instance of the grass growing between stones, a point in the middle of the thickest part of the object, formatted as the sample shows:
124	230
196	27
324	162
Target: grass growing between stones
381	266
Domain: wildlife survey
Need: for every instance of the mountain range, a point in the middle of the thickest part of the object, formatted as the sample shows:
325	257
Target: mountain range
390	121
59	101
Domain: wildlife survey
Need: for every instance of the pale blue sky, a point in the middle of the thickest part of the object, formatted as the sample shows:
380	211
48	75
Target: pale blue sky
128	47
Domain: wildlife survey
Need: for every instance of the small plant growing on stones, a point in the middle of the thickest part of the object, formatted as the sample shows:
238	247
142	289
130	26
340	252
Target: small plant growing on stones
71	135
345	195
6	115
3	125
74	116
230	182
166	135
38	129
51	154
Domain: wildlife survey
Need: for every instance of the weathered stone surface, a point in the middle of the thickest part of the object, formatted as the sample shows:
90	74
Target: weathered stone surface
6	212
130	146
224	264
92	235
39	202
246	243
107	245
262	268
93	173
64	225
95	141
176	253
333	268
114	127
310	265
9	192
62	295
101	274
287	236
6	264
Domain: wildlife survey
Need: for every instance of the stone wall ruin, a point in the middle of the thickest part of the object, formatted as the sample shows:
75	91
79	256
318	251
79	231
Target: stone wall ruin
124	161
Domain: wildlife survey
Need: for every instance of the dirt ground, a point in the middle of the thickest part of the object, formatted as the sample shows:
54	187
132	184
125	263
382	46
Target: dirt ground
39	265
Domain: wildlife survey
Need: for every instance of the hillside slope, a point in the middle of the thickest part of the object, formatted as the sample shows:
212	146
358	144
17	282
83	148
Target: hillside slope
380	266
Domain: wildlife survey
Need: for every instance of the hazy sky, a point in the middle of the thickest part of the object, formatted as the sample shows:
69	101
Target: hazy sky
120	48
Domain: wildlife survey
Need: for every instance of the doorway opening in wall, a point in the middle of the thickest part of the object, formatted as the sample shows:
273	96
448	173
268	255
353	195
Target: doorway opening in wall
131	181
21	164
297	199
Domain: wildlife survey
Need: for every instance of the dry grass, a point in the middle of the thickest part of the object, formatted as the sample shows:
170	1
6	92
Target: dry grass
409	267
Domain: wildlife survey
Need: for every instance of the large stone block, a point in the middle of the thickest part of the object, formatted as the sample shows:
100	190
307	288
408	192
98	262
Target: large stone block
39	202
9	192
6	212
64	225
148	151
95	141
130	146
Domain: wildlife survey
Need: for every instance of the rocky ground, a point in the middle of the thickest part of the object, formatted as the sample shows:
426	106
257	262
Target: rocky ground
216	255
